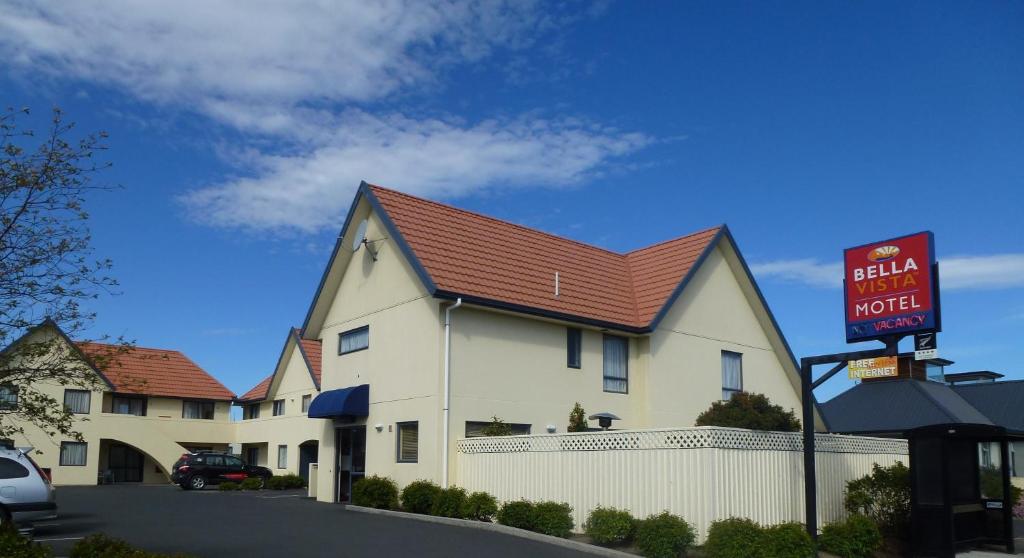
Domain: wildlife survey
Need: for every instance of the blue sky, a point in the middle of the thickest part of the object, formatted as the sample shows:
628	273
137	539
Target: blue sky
238	137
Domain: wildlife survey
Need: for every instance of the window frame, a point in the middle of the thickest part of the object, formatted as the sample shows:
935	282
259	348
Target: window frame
201	403
274	408
731	391
144	402
307	400
481	424
247	411
85	460
341	337
604	372
574	347
399	427
88	400
282	451
9	400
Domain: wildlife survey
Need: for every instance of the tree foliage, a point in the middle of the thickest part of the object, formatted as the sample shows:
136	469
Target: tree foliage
577	419
497	427
749	410
884	497
47	269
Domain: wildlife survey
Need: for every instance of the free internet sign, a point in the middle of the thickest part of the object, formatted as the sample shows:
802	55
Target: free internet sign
890	288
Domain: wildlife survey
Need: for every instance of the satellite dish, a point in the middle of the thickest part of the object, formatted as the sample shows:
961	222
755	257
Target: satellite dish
360	235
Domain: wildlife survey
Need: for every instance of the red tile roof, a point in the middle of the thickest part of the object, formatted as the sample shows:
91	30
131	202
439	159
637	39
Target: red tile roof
473	255
259	392
312	349
158	372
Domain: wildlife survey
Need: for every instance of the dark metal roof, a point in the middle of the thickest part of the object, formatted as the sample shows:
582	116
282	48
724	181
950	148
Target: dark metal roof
1003	402
896	406
971	376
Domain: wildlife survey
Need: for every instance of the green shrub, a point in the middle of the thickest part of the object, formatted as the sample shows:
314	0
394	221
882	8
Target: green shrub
228	486
376	492
610	526
288	481
254	483
102	546
749	410
449	502
883	496
519	514
553	518
276	483
787	540
497	427
734	538
419	496
664	536
479	506
577	419
13	545
857	537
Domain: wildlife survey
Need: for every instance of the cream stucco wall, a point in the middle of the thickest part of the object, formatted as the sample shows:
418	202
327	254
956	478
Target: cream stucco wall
402	364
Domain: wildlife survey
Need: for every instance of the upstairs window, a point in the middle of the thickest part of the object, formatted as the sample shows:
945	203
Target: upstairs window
573	346
197	410
128	406
77	401
732	374
251	411
354	340
278	407
616	364
8	397
306	400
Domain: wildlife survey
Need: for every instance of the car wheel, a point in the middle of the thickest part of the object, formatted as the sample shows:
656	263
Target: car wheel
197	482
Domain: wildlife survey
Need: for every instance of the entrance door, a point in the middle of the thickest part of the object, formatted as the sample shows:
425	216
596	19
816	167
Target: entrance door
351	460
125	463
307	454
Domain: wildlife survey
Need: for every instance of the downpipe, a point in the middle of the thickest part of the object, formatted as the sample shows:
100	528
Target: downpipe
447	389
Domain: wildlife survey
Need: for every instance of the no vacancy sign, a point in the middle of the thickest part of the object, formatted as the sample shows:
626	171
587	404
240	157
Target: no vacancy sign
890	288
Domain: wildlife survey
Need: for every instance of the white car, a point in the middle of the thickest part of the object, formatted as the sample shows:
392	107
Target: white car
26	494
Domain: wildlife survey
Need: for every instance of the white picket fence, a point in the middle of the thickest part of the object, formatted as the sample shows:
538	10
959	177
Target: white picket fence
701	473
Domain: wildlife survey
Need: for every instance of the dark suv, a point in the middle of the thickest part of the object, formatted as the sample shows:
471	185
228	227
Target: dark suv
196	470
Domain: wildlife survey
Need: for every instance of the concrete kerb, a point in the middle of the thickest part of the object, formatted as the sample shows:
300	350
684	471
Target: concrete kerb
547	539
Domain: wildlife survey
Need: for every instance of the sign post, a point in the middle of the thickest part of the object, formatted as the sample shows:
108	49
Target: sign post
891	290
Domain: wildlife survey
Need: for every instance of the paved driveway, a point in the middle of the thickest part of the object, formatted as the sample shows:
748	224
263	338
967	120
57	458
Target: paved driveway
266	523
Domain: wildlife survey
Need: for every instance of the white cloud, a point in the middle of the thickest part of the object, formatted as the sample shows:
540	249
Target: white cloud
996	271
299	79
433	158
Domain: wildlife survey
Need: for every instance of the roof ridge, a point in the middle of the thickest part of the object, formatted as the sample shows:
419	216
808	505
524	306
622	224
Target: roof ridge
130	347
676	239
536	230
918	384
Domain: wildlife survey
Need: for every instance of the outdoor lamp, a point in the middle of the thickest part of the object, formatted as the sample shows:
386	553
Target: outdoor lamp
604	419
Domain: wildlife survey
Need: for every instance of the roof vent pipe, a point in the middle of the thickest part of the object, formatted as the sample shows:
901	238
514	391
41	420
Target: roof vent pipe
447	389
556	284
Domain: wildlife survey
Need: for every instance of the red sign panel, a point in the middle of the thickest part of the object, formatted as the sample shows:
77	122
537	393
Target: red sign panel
890	288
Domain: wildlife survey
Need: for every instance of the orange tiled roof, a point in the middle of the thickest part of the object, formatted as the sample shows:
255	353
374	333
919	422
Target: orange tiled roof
158	372
472	255
312	349
259	392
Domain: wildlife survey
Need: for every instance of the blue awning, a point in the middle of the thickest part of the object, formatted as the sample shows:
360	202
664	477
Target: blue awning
346	402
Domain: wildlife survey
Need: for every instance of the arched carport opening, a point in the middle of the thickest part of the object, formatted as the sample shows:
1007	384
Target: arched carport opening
121	462
309	452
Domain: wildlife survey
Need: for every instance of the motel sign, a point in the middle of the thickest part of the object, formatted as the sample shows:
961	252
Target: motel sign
890	288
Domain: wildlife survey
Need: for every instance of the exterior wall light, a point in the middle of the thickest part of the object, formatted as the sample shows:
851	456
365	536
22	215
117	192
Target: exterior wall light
552	429
379	427
604	419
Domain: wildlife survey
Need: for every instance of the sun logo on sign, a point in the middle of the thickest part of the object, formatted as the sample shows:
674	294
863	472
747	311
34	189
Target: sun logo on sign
883	253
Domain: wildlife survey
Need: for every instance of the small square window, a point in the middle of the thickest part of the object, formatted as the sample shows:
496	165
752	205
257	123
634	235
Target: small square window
306	400
573	348
77	401
408	442
73	454
251	411
278	407
8	397
354	340
128	406
197	410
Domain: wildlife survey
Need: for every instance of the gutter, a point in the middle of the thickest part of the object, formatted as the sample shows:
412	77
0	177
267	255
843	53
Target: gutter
447	388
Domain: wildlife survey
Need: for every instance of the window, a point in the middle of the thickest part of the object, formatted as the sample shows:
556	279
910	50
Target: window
306	400
278	407
251	411
573	345
475	429
616	364
72	454
408	442
128	406
197	410
11	469
252	456
282	457
77	401
732	374
354	340
8	397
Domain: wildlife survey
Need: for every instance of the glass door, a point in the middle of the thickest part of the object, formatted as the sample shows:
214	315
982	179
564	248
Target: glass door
351	460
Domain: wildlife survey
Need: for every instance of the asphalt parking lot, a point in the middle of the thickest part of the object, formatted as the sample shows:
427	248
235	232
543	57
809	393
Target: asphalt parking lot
266	523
